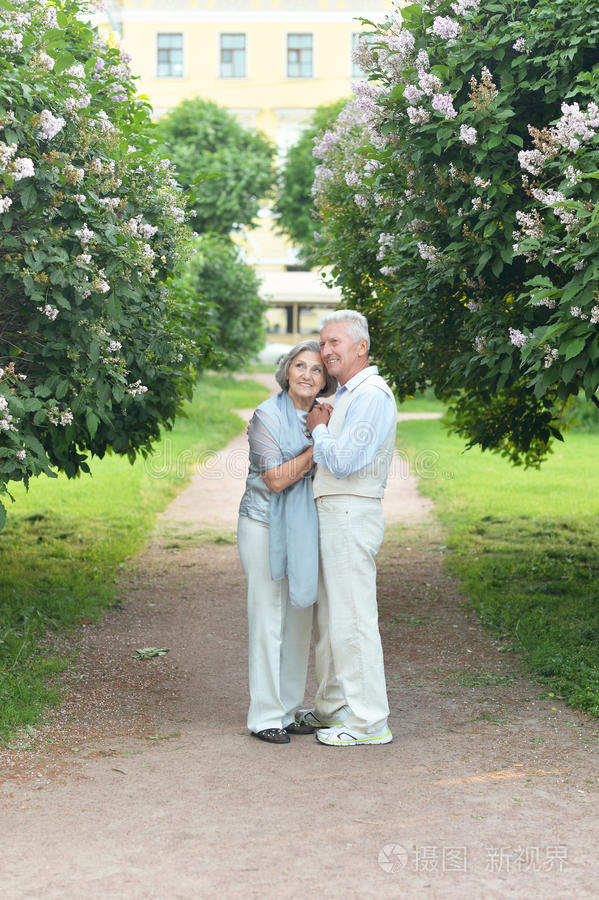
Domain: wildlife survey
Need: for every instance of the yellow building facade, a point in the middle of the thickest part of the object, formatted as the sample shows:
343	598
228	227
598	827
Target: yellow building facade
270	62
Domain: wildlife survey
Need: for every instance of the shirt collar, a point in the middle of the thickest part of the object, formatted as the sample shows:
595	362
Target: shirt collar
357	379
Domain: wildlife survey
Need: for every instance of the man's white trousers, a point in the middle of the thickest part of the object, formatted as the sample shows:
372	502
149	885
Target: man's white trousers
349	655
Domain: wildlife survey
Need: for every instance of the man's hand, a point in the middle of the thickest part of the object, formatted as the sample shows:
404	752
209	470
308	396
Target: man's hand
320	415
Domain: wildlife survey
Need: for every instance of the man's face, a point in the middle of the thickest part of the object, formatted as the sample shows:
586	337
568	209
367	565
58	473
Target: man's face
342	356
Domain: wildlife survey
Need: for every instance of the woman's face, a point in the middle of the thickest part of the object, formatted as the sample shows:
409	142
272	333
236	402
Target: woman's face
306	378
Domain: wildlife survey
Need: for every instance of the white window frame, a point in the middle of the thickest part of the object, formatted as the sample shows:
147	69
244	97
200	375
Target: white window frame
219	50
183	56
286	57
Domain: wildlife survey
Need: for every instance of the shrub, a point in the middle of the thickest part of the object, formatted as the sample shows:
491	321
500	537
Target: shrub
93	356
465	221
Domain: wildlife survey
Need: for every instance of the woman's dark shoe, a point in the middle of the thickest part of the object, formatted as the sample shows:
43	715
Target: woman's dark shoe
297	728
272	735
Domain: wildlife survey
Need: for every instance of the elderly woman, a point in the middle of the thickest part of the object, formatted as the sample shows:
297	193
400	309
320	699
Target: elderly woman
277	537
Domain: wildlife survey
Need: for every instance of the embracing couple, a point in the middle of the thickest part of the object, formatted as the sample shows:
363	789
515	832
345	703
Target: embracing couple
310	527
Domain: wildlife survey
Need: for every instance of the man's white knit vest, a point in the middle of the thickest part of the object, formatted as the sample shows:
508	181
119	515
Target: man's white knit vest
370	480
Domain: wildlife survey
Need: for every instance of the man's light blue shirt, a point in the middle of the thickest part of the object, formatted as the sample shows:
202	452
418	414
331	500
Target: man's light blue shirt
368	420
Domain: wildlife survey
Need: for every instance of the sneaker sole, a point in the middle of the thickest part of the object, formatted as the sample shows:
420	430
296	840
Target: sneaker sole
376	739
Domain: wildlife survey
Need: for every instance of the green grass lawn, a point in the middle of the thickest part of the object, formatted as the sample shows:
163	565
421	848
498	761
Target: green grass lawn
525	547
65	540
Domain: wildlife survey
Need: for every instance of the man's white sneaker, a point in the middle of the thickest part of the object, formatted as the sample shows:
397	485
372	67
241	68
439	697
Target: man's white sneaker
339	736
309	717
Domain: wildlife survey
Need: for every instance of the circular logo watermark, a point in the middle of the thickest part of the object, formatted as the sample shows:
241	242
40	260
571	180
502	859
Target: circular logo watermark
393	858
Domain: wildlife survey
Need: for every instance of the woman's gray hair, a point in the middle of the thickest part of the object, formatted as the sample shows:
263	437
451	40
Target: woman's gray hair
357	324
282	373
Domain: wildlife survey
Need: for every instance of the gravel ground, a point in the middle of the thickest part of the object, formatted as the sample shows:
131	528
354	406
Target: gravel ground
145	783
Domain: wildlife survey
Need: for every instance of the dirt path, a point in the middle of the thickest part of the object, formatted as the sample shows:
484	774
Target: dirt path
146	784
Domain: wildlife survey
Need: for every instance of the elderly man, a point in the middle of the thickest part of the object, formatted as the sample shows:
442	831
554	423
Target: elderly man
353	450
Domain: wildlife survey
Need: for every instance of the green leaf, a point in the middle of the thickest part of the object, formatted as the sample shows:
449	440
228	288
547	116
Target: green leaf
61	389
64	60
151	652
28	197
92	421
483	260
573	348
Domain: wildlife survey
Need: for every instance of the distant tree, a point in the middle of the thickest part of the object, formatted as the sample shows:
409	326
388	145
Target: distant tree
221	296
295	204
224	168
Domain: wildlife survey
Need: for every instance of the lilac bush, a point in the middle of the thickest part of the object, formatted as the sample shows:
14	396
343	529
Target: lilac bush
94	354
464	219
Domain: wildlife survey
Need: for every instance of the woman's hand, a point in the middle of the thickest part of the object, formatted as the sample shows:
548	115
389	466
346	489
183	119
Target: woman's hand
318	415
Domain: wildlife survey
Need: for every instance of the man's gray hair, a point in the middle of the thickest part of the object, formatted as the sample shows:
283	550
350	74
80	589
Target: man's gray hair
357	324
282	373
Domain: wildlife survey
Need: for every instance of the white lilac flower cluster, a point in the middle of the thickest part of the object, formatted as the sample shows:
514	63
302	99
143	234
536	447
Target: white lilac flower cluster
49	311
446	28
22	167
577	313
85	234
520	45
60	417
110	203
517	338
49	125
418	115
11	40
7	151
468	134
417	226
42	61
140	229
7	423
465	7
385	242
136	388
48	16
443	103
99	284
326	144
573	128
353	179
531	225
551	354
428	252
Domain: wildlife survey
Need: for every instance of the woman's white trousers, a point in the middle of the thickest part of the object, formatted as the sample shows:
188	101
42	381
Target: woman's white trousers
279	635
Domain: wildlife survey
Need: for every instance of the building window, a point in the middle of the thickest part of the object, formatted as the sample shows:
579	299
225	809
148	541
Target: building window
232	56
356	69
169	56
299	56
